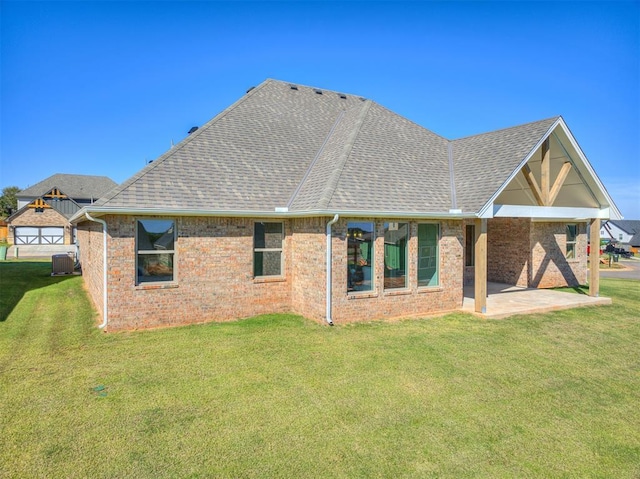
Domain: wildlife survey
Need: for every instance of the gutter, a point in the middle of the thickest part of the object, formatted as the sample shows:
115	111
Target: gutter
276	213
329	270
104	267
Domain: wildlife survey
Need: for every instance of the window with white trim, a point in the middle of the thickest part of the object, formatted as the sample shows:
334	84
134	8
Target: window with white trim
267	249
155	250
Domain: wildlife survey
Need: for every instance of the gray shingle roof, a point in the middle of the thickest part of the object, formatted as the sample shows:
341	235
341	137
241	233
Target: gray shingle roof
295	148
628	226
75	186
482	163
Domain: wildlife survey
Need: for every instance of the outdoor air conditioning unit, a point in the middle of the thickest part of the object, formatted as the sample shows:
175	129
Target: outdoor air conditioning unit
61	264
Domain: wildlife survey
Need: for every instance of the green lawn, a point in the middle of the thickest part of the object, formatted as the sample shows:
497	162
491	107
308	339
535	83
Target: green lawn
553	395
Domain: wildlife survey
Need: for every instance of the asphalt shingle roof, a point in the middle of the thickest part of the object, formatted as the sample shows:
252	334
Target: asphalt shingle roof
482	163
282	147
74	186
628	226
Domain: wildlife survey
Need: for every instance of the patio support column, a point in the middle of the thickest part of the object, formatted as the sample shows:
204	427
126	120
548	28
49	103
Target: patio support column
594	258
481	265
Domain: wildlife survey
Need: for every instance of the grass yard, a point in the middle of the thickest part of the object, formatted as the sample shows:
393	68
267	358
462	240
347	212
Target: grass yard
553	395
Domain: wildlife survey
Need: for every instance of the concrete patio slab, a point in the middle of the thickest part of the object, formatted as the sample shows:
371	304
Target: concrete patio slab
504	300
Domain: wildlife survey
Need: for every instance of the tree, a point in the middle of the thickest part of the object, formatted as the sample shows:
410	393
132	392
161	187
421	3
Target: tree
8	200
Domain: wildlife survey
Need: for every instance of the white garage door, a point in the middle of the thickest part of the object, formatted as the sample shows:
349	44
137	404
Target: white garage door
45	235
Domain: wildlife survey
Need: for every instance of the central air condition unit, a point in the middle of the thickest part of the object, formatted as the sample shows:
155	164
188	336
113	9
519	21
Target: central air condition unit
61	264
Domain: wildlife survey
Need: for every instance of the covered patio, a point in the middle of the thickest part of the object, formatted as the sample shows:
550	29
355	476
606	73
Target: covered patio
505	300
532	233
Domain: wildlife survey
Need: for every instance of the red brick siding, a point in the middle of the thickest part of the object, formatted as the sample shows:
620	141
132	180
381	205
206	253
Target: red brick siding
508	250
549	266
308	267
213	276
214	268
91	257
532	254
348	307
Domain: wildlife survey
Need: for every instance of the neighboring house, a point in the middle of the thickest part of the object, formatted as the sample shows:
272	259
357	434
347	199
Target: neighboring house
331	206
624	232
44	209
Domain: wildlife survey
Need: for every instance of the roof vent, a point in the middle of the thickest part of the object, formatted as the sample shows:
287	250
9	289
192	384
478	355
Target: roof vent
293	87
342	95
192	129
319	92
250	89
363	98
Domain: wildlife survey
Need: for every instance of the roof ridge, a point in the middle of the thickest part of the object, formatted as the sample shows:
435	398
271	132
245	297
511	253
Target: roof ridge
554	118
332	182
317	88
161	159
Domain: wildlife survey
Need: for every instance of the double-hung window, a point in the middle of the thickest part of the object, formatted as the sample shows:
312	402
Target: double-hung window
155	250
572	235
428	254
267	249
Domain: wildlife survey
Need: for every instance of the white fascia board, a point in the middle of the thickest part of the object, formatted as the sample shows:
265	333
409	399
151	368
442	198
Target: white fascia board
101	211
549	212
486	210
615	212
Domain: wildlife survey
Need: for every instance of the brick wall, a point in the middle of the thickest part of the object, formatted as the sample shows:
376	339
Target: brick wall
214	270
549	266
508	242
412	301
91	258
532	254
308	267
214	275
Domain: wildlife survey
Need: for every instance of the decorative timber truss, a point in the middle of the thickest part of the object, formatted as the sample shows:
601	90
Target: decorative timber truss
545	193
39	204
55	194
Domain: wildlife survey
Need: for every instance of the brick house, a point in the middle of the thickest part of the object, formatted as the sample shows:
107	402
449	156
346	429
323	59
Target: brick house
296	199
44	209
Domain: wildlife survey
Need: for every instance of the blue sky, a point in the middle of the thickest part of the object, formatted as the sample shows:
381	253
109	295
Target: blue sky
100	88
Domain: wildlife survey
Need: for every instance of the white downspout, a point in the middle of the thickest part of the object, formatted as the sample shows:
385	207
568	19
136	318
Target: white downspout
104	268
329	270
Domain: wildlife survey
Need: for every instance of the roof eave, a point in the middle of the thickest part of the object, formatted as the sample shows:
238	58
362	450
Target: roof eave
98	211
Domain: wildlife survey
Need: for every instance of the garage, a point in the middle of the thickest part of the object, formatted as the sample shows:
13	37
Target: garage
39	235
